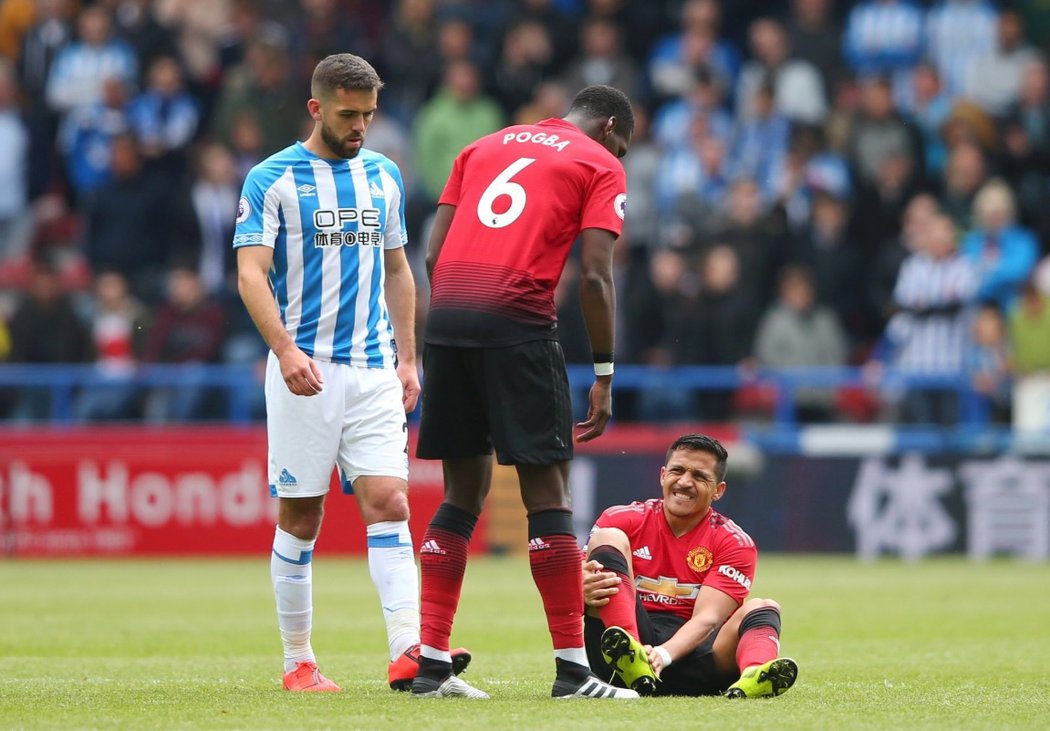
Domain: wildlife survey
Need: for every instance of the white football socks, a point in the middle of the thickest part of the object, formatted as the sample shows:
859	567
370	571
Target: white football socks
290	571
392	565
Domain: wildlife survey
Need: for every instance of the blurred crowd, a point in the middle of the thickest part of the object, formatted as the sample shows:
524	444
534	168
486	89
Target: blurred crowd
811	183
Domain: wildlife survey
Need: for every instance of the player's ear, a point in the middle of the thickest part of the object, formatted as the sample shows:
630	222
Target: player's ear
314	107
720	490
610	126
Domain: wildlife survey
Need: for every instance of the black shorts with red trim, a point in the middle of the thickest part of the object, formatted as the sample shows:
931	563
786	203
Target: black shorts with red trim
513	399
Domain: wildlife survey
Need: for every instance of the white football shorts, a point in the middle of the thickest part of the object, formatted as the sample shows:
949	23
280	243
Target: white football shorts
356	423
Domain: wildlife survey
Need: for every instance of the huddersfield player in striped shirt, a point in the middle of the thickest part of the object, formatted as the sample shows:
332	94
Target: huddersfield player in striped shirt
320	251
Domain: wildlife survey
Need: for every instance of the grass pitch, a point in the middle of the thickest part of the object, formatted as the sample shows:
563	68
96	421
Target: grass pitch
943	644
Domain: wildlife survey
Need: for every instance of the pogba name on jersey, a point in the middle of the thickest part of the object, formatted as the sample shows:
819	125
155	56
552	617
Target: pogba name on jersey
537	138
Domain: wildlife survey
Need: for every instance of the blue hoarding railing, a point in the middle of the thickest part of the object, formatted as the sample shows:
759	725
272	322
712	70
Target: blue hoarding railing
241	384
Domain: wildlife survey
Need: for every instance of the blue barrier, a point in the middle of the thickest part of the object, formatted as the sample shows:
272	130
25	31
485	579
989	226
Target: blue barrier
241	384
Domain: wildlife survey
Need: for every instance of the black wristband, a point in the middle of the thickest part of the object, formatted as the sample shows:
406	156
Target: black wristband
603	357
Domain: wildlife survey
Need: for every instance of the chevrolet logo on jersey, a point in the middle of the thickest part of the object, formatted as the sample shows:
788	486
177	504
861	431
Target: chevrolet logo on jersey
665	590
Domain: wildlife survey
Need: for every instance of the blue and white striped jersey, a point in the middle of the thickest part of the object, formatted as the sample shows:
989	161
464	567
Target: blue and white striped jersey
328	222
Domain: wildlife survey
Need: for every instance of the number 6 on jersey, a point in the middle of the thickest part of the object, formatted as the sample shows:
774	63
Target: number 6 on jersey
502	185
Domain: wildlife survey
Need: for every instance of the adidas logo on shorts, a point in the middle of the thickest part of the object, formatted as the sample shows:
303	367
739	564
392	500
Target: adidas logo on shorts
287	479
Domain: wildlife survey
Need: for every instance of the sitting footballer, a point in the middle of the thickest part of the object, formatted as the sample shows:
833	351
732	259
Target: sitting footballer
666	584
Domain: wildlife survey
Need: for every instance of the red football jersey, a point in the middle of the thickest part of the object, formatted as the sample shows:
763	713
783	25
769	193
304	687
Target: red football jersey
669	570
522	197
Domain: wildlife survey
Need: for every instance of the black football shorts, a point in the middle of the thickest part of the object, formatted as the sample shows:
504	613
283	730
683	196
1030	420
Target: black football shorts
513	399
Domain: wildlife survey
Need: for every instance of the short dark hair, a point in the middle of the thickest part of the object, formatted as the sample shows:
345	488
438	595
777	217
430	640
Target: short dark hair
601	102
343	71
701	443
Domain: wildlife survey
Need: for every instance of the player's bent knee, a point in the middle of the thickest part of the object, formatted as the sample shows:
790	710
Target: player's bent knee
757	603
383	500
609	537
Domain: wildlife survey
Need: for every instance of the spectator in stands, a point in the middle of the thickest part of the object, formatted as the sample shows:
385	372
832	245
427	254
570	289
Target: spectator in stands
321	28
756	236
882	278
557	22
15	220
135	22
602	60
135	222
51	31
1029	326
695	175
760	143
86	140
453	118
886	38
1003	253
703	97
215	192
81	69
45	329
641	228
246	143
964	175
165	118
549	99
524	61
16	18
262	87
797	331
676	59
673	293
930	333
988	361
799	89
410	62
188	330
720	328
929	108
1026	154
879	132
118	324
829	250
880	202
959	32
809	167
816	37
994	80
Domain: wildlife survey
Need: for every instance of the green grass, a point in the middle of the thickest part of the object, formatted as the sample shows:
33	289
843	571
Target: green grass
943	644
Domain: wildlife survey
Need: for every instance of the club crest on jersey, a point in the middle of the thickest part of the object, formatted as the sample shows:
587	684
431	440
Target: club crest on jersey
699	559
244	209
620	205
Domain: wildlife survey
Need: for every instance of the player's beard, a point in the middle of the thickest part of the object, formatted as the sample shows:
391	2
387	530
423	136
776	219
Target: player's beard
340	146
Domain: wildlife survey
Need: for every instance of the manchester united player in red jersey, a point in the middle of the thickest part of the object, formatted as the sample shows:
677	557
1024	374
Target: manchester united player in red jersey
514	203
666	586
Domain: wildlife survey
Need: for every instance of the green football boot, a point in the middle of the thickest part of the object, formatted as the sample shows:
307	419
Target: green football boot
769	679
628	658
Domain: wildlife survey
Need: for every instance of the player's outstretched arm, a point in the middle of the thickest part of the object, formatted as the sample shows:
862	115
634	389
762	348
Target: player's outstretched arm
298	370
598	302
711	610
